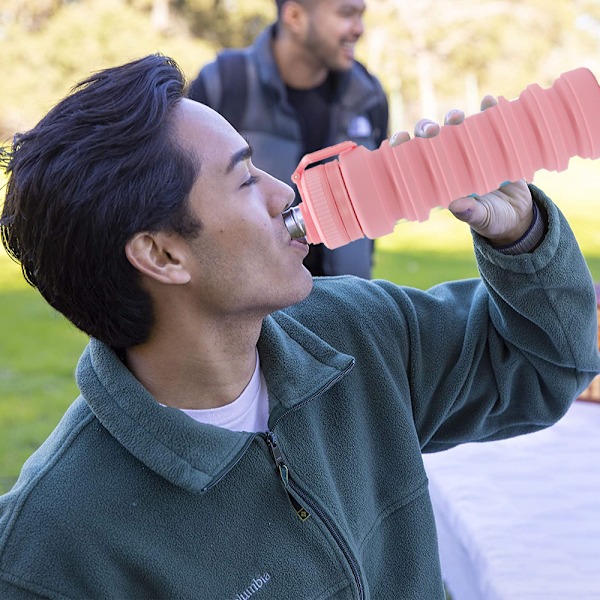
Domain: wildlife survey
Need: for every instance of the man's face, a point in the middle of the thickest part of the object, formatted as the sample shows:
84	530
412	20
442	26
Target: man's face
243	261
333	28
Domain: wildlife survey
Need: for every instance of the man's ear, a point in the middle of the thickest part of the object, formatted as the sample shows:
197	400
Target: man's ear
293	16
159	256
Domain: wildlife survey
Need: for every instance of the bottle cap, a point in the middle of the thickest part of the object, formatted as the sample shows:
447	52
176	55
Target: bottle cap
326	208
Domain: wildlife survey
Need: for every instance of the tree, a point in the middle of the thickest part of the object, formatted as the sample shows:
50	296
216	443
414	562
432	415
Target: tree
449	51
228	23
42	63
431	55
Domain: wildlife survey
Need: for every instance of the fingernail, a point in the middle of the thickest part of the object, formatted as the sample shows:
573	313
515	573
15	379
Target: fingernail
424	126
476	196
429	127
462	215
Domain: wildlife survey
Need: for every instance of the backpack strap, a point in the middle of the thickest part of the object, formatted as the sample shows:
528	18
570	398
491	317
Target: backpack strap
232	71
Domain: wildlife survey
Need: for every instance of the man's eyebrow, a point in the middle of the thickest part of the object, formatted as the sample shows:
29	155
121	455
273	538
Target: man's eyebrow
239	156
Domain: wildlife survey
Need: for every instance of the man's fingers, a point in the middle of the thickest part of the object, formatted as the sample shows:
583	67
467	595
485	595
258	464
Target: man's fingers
467	209
426	128
399	138
454	117
488	101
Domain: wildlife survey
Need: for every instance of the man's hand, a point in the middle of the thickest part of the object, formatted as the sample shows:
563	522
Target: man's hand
504	215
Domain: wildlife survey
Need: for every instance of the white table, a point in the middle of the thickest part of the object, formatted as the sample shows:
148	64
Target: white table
519	519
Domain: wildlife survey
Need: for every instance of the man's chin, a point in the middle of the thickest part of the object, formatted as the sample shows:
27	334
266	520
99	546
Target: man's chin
341	66
306	288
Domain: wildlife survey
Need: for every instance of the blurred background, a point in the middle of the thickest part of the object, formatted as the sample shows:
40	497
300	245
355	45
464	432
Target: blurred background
430	55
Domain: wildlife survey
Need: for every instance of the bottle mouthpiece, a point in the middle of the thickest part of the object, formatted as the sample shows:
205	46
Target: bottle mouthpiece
293	220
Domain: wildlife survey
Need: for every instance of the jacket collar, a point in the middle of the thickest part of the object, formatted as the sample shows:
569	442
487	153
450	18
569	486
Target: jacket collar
297	366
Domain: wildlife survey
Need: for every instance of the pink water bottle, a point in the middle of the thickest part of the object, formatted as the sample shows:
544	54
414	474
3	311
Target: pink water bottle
365	192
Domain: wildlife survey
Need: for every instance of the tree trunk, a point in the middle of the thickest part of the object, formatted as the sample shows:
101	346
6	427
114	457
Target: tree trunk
160	17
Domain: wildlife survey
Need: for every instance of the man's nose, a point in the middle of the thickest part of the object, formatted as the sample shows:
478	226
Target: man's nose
281	195
358	26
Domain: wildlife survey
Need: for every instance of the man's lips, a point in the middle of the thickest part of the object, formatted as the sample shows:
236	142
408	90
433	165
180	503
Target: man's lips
300	243
349	47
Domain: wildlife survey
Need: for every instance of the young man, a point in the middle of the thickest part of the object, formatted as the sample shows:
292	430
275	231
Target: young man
242	430
296	90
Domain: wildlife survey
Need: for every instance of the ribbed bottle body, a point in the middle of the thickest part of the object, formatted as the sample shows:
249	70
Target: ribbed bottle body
541	129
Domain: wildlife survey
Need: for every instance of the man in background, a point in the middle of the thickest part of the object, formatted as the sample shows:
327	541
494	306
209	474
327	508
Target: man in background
296	90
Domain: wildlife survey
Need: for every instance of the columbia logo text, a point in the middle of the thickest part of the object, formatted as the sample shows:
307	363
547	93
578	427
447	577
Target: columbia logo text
255	586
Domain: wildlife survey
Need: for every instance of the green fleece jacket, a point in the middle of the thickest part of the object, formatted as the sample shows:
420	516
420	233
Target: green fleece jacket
128	499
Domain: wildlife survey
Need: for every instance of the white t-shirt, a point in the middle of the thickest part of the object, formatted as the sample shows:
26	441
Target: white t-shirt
249	412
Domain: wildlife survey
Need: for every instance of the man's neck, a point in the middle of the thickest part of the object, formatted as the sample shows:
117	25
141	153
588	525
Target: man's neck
196	367
297	68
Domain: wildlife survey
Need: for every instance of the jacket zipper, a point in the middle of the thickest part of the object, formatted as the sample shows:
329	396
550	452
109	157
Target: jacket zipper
303	512
284	474
241	453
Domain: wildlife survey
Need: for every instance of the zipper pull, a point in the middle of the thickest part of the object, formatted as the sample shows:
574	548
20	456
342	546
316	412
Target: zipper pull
284	474
278	458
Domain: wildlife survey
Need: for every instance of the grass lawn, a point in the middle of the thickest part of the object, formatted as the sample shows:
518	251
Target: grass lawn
39	349
38	353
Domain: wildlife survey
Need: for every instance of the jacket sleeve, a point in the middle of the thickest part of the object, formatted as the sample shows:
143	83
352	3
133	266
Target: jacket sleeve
504	355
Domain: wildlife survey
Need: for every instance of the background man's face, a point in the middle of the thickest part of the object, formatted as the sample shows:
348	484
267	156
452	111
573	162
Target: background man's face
333	28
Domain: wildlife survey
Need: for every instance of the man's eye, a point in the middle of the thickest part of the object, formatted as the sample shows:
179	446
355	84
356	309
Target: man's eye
250	181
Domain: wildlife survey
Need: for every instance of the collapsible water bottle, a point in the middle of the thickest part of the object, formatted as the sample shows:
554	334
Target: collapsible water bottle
365	192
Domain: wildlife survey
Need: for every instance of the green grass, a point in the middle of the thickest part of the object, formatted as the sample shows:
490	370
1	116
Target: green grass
38	353
39	349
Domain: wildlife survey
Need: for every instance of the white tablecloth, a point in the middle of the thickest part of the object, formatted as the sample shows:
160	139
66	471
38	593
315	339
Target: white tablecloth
519	519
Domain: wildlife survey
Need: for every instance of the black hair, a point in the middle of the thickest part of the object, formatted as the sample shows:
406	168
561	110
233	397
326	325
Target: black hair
102	165
279	4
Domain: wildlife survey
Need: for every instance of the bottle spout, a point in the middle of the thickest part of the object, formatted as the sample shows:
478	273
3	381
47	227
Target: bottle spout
294	221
